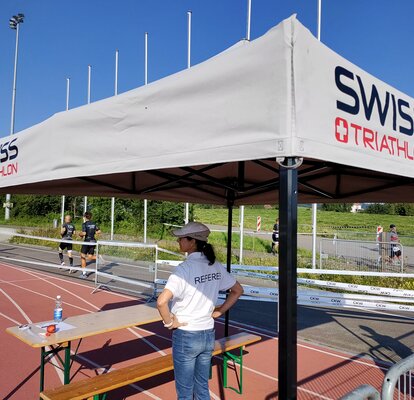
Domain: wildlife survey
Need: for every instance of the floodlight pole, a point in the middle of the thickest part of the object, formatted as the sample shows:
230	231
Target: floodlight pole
249	17
314	205
62	213
189	15
241	208
85	199
287	357
15	22
319	19
146	83
116	94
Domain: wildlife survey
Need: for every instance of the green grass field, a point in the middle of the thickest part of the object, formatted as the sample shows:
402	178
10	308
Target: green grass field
328	221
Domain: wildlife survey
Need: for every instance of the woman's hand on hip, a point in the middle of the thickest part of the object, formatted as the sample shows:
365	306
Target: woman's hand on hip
217	313
176	324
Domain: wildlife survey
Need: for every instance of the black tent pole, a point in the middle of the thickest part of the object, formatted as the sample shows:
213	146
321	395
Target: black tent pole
230	203
287	365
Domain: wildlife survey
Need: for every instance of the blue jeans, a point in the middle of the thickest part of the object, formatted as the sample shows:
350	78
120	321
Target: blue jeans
192	359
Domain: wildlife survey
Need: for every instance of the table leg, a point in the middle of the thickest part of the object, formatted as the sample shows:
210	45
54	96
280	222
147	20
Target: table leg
66	362
66	365
42	368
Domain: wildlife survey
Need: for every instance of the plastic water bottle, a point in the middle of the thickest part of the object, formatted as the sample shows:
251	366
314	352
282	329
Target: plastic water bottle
57	313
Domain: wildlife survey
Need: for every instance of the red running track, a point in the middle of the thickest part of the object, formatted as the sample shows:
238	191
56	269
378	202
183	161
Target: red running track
27	295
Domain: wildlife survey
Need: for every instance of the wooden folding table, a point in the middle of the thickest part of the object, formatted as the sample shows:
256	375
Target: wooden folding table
80	327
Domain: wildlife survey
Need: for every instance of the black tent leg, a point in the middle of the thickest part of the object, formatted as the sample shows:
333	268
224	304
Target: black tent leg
228	260
288	281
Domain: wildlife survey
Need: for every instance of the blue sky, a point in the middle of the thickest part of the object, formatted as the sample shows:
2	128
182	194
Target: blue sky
60	38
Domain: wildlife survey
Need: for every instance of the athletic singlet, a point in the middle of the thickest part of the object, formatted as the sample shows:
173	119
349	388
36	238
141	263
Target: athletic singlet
90	229
69	229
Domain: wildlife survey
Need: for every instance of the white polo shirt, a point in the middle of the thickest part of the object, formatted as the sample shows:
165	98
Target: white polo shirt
195	286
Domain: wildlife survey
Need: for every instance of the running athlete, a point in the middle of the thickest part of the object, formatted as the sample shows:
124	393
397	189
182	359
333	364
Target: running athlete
275	237
67	231
89	230
395	250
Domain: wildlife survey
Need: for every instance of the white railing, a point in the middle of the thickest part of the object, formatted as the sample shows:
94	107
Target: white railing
363	392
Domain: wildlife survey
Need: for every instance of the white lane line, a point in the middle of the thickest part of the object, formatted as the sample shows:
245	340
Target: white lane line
45	273
214	396
349	359
153	346
98	309
18	280
63	289
26	317
10	319
254	371
327	352
277	380
261	333
300	345
48	297
151	333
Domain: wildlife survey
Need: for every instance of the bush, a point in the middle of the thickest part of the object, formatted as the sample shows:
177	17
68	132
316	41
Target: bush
33	206
378	208
340	207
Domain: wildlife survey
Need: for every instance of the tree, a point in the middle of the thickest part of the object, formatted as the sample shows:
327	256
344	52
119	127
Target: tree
404	209
337	207
34	206
378	208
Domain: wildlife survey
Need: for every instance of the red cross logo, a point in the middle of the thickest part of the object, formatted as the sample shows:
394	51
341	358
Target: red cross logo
341	130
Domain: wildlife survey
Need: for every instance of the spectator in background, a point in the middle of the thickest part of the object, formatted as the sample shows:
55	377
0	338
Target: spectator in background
395	252
275	237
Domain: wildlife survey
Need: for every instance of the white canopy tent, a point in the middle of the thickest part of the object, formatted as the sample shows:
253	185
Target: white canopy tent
213	134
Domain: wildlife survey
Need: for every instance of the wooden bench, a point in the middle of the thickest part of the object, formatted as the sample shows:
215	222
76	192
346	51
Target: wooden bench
93	387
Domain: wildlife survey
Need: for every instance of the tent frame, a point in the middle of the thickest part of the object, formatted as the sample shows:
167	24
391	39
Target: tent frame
201	179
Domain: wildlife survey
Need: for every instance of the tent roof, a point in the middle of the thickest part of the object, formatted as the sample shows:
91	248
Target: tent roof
213	132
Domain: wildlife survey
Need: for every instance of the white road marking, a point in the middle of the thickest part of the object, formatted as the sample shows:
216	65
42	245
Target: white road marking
44	273
10	319
48	297
262	332
19	280
97	309
26	317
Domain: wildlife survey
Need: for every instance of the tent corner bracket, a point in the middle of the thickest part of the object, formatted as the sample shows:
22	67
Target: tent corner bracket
298	162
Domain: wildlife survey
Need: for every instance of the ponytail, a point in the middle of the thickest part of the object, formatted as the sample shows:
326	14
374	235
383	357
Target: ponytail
207	250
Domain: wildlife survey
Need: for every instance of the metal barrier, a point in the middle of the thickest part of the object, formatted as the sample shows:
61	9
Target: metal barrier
130	265
126	263
399	380
363	392
356	255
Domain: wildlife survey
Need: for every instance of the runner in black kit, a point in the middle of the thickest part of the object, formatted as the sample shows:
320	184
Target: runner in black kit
89	230
67	231
275	237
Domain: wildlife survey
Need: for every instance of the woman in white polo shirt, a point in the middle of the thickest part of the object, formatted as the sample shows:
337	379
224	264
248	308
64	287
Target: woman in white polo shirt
193	288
